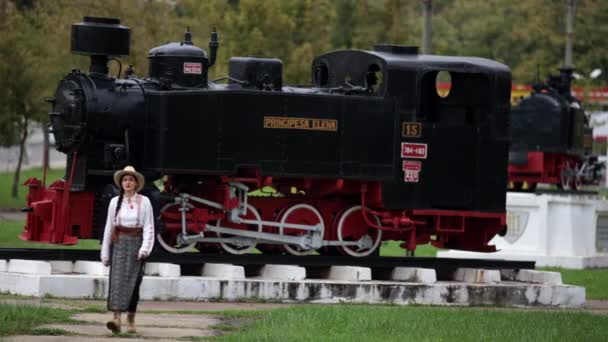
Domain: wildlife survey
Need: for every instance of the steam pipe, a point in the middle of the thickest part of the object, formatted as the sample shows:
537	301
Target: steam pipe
214	44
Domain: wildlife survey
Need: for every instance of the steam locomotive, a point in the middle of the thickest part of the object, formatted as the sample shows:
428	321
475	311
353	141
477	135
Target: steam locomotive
370	152
551	139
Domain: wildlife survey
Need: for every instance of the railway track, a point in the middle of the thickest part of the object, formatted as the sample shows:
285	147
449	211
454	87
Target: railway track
191	261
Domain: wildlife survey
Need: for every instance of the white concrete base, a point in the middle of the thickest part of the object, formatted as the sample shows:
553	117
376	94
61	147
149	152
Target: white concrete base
414	275
162	269
224	271
283	272
29	267
573	262
61	267
531	276
350	273
556	230
476	275
3	265
91	268
313	291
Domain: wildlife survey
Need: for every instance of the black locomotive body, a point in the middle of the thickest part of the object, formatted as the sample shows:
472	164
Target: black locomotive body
551	140
370	148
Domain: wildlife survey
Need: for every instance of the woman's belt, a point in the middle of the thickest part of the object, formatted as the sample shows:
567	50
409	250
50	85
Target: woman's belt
130	231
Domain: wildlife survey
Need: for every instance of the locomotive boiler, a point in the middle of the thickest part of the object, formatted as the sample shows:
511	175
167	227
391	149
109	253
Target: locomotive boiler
551	139
371	151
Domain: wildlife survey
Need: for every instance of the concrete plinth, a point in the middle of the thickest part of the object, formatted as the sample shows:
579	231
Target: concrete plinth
414	275
223	271
162	269
312	291
283	272
29	267
569	231
91	268
350	273
475	275
531	276
61	267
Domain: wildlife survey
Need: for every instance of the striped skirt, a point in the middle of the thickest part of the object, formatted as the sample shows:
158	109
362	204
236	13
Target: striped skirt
126	273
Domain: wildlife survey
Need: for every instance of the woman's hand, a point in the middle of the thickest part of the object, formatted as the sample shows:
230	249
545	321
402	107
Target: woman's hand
142	255
105	262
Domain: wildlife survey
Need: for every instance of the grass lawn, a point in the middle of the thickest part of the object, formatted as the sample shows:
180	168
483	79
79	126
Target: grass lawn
6	183
347	322
595	281
392	323
10	230
22	319
391	248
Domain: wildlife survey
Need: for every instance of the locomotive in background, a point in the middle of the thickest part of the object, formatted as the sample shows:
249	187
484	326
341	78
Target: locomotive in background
551	140
370	152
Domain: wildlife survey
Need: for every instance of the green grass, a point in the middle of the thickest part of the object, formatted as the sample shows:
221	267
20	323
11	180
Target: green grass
391	248
6	184
392	323
22	319
9	238
595	281
49	332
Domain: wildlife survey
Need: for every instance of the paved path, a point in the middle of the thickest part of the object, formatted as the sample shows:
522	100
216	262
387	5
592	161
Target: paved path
12	215
166	327
157	321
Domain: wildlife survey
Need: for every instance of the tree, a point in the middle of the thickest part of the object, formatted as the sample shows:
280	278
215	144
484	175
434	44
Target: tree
591	38
23	51
342	32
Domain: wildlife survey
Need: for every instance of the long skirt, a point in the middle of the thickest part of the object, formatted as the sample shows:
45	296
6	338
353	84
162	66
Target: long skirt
126	273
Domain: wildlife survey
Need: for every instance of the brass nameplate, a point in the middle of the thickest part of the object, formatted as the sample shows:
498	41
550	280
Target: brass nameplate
301	123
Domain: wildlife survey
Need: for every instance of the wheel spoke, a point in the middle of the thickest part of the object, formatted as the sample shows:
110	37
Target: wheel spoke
352	227
300	214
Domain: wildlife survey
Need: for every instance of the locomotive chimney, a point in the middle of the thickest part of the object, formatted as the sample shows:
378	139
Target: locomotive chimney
100	38
214	44
565	75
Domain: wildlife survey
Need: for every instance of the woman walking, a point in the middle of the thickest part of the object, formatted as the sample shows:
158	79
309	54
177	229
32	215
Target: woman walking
127	241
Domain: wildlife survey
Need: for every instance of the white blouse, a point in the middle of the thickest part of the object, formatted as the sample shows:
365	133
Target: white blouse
128	217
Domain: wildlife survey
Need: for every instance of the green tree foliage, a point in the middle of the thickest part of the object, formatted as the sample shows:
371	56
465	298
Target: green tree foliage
21	56
526	35
591	38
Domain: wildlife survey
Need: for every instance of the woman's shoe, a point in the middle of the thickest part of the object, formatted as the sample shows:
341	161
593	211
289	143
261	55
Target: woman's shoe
114	325
131	323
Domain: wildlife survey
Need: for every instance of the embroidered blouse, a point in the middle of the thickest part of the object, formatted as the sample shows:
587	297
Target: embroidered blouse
136	212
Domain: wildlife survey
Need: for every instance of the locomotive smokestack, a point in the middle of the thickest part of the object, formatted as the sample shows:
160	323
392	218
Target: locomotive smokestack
100	38
565	75
214	44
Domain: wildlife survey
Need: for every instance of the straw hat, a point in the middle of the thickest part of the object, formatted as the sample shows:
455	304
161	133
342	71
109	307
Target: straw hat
129	170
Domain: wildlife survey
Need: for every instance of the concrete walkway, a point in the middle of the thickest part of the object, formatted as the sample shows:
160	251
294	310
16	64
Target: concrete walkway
157	321
165	327
12	215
